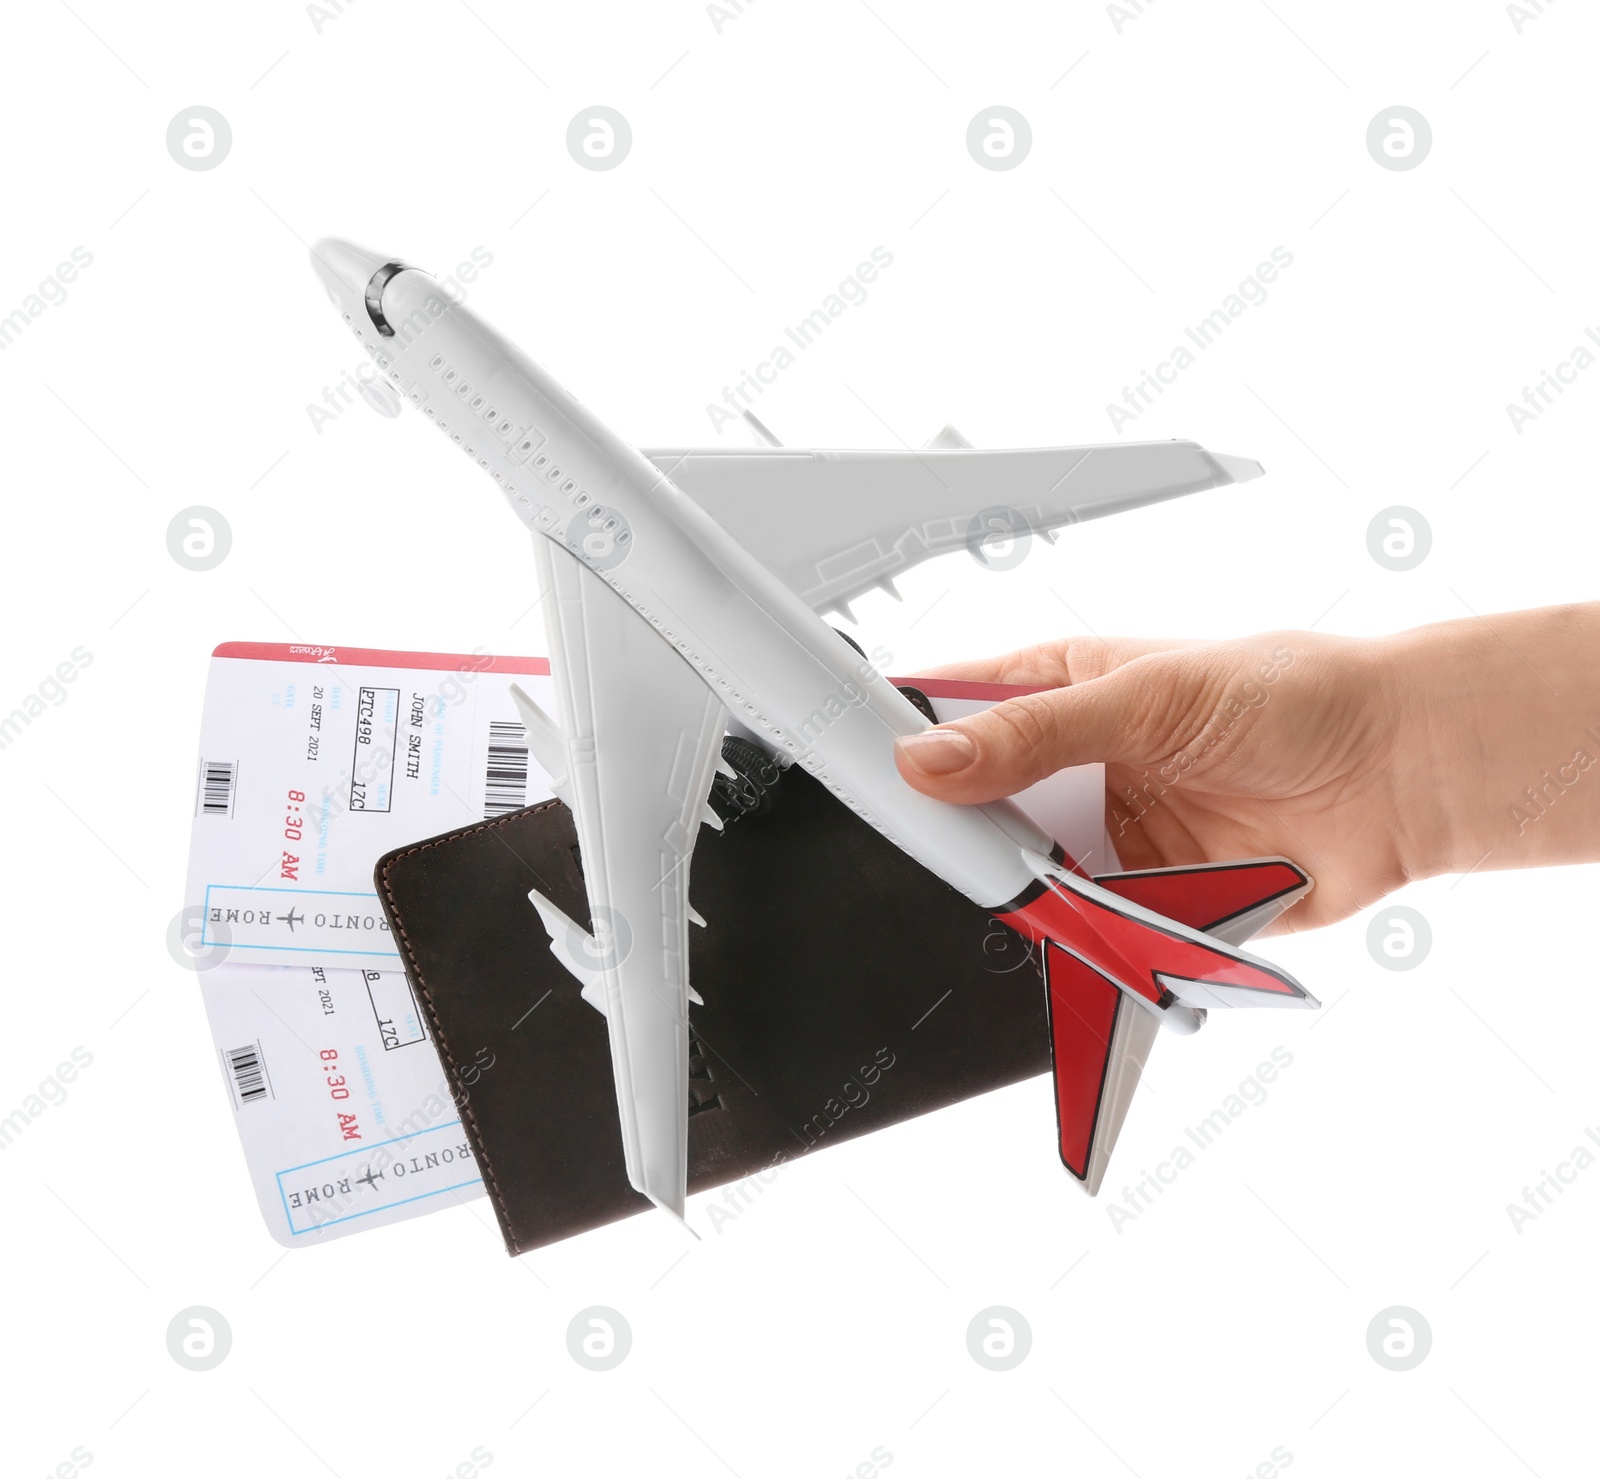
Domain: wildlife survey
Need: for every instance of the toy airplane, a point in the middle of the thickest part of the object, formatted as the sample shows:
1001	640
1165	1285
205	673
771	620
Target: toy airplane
685	588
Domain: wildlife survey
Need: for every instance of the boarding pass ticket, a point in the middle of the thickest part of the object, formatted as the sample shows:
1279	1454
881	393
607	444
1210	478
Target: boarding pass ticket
314	762
347	1118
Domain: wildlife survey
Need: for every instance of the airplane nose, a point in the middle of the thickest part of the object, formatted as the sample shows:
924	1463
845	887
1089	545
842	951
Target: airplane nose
344	268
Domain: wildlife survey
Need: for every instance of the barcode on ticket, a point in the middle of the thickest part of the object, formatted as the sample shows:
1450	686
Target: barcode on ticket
505	777
248	1071
217	779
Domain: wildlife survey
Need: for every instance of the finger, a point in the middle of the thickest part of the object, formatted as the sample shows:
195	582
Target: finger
1132	715
1058	663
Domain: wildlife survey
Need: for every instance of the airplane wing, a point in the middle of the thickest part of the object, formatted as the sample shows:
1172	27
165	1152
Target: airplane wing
631	750
834	525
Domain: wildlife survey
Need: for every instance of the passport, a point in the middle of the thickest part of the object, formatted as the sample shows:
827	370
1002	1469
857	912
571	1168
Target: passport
845	989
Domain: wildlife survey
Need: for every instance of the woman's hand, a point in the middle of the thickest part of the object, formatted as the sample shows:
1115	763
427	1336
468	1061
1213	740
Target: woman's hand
1368	762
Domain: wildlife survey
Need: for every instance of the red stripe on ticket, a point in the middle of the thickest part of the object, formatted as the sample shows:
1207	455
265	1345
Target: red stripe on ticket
376	657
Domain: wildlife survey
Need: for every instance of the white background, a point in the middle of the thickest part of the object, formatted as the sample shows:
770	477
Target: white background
829	1318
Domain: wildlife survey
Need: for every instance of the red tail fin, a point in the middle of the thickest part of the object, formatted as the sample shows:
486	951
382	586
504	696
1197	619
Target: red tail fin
1123	954
1099	1039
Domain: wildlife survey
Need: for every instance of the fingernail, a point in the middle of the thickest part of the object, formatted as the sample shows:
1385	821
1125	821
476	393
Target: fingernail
937	751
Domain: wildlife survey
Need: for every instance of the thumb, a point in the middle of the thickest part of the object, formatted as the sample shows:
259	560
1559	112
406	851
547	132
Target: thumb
1129	715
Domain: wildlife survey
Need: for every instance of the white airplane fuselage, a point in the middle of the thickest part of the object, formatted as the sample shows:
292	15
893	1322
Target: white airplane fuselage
779	668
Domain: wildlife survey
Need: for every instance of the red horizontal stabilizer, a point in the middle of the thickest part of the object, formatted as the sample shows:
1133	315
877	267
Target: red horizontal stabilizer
1151	952
1210	895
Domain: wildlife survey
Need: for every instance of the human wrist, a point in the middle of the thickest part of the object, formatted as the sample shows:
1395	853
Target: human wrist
1496	740
1428	695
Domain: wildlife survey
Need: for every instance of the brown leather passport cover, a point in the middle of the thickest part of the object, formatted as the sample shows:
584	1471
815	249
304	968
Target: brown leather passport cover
846	988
